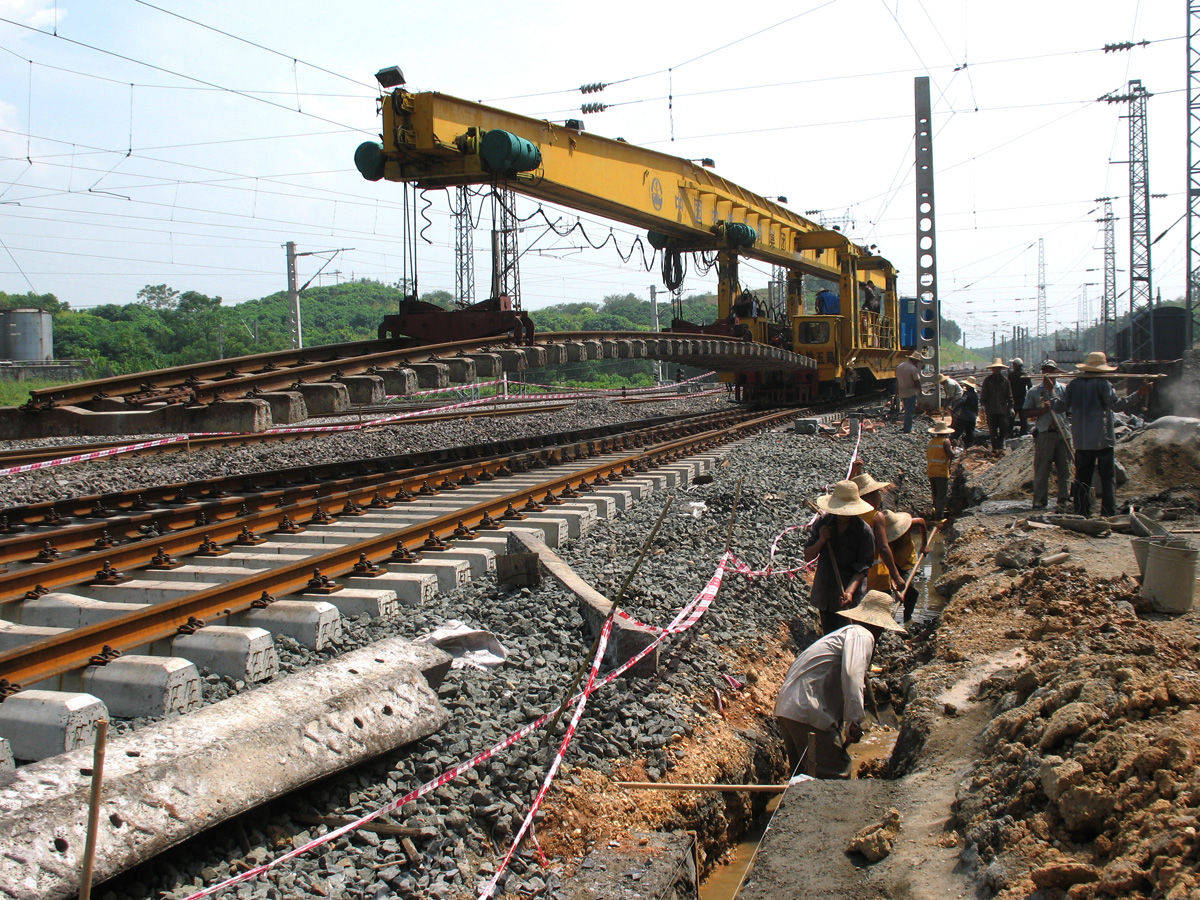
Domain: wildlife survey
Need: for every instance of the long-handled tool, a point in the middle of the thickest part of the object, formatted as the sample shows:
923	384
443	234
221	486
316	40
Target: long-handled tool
916	568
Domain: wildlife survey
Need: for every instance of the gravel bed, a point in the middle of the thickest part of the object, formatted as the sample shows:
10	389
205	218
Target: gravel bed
473	817
118	473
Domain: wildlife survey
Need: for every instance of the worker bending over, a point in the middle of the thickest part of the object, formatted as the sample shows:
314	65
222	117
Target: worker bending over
823	692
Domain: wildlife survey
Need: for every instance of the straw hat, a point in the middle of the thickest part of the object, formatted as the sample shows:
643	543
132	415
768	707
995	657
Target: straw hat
969	381
997	363
1096	362
843	500
943	377
895	524
875	609
867	483
916	356
941	428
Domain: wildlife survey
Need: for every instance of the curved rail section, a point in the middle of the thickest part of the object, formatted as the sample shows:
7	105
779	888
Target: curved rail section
255	392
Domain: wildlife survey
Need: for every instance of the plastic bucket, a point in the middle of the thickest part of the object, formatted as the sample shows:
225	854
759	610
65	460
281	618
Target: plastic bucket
1170	576
1141	546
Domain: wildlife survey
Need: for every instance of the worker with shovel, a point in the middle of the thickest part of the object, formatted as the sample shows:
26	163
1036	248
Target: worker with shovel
1051	439
822	695
844	548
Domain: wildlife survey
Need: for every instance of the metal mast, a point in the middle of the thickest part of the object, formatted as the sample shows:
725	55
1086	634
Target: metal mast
464	250
928	318
1108	311
506	277
1041	297
1193	164
1141	332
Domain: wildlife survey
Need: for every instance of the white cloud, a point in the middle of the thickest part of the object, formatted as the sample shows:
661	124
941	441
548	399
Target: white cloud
38	13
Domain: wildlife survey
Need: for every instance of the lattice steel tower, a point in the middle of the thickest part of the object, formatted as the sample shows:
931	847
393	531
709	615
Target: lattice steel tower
1141	295
1041	297
1193	165
506	275
1108	310
464	250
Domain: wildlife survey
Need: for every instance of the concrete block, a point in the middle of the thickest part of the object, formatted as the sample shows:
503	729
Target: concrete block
286	406
244	654
183	776
13	635
451	574
327	534
62	610
363	389
311	623
622	497
39	724
325	399
410	588
133	686
431	375
554	354
399	381
487	365
535	356
230	415
144	590
480	560
599	507
219	571
554	531
573	351
6	757
461	369
361	600
513	360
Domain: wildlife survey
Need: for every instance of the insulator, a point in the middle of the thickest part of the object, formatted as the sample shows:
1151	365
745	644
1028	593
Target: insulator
594	88
593	108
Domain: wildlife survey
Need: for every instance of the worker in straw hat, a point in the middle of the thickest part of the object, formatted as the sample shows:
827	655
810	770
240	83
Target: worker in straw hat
995	395
908	386
951	390
904	548
965	412
938	453
844	547
1049	447
822	694
883	574
1091	400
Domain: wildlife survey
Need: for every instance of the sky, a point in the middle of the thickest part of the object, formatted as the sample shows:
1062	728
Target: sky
186	142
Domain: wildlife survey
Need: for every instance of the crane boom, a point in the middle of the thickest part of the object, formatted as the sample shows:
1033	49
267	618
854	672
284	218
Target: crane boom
435	140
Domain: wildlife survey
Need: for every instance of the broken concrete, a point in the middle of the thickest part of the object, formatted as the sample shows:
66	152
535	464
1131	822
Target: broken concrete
176	778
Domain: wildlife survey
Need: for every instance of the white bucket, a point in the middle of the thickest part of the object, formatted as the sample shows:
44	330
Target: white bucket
1170	575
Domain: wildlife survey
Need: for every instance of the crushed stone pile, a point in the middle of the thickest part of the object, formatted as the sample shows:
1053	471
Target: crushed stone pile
1089	770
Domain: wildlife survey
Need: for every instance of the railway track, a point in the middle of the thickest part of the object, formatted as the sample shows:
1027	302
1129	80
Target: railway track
268	538
119	534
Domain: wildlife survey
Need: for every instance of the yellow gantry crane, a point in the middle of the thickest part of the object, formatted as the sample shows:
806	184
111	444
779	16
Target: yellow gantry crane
434	140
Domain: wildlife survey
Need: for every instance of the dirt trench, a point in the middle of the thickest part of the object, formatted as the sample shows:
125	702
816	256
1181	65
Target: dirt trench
1050	744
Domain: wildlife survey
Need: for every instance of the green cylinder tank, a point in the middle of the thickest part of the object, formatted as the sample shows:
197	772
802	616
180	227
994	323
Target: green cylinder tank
505	153
369	160
740	234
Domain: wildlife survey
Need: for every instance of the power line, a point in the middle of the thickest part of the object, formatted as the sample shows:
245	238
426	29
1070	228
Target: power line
192	78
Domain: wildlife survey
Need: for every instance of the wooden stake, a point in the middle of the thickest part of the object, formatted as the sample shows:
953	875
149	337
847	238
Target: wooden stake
89	850
678	786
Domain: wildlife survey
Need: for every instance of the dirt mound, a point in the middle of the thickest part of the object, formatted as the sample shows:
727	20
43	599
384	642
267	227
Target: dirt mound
1088	781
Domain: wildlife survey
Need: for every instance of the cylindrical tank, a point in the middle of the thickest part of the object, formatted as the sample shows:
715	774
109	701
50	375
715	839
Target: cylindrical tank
26	335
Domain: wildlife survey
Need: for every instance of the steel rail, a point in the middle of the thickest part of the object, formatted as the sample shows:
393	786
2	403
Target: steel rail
81	507
277	368
29	455
179	532
63	653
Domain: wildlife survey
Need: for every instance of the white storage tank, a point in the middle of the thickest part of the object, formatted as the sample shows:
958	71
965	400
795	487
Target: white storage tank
26	335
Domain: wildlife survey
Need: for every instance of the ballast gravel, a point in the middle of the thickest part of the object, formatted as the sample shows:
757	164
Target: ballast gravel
469	821
119	473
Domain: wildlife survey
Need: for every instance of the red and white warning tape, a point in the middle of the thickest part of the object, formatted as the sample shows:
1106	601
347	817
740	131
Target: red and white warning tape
685	619
95	454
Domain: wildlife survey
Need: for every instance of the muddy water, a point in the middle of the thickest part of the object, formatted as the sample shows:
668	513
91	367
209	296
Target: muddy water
723	882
